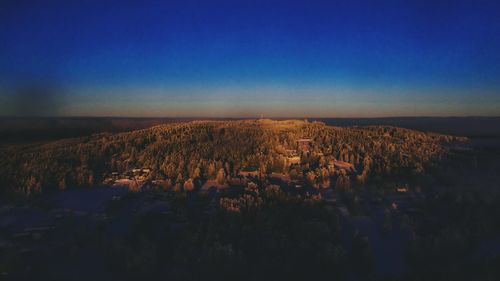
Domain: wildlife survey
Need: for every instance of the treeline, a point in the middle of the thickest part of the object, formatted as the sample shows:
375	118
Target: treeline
201	150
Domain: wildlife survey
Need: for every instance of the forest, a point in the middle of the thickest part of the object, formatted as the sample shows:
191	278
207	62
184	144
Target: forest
199	150
361	203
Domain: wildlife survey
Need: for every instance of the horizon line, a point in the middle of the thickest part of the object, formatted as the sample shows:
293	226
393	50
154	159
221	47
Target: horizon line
244	117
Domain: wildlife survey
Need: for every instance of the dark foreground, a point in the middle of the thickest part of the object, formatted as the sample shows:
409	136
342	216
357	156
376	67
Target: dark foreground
250	234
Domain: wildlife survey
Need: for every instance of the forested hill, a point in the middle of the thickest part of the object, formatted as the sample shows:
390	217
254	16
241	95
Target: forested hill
203	149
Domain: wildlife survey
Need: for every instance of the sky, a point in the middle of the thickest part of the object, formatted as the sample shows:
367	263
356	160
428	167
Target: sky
250	58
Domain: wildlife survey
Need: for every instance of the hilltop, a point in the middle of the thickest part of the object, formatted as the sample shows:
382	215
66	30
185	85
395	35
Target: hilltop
199	151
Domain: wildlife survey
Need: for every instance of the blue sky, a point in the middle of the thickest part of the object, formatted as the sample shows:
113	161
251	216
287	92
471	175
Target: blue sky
247	58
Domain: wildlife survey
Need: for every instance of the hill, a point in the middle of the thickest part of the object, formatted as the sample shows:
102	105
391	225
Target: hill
250	200
198	151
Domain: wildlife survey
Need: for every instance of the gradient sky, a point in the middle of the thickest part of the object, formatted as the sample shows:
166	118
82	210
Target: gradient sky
250	58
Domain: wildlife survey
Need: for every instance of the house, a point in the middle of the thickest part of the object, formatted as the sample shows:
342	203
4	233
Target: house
293	160
245	173
130	184
292	157
213	184
402	189
304	145
341	165
122	182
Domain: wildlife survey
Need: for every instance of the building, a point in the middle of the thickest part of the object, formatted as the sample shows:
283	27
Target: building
402	189
341	165
292	157
293	160
245	173
304	145
212	185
